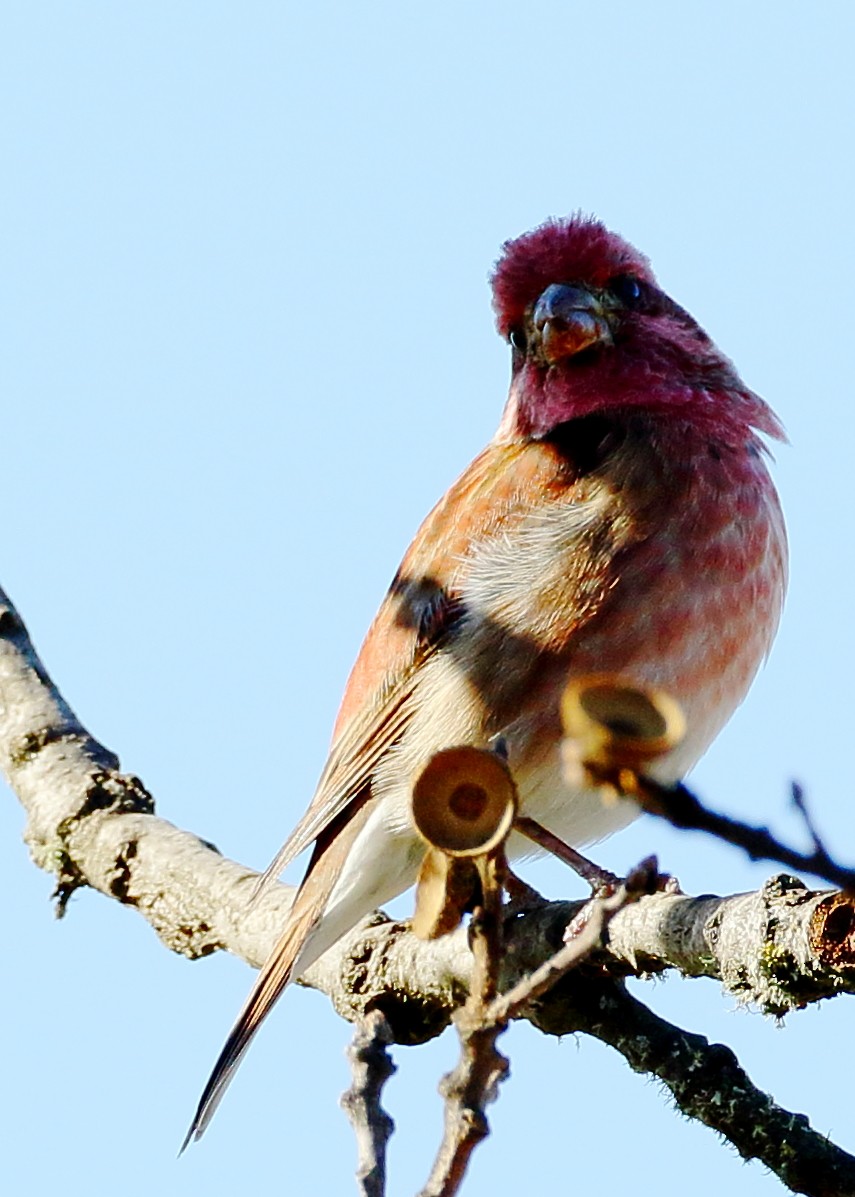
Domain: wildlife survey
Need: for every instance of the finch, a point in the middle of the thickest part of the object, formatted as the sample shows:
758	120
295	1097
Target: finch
622	519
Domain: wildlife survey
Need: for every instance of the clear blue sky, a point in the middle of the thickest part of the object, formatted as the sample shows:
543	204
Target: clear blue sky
246	342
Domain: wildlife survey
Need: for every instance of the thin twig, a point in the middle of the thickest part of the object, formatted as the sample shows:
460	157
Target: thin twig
371	1066
799	801
683	809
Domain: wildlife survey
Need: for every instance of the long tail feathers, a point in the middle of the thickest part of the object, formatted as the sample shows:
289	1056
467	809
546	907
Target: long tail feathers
271	981
331	851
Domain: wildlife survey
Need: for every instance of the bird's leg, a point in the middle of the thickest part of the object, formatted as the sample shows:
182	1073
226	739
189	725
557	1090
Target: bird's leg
598	878
521	895
603	883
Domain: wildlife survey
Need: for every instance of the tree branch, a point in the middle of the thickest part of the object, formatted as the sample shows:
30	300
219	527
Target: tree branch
780	948
90	824
705	1081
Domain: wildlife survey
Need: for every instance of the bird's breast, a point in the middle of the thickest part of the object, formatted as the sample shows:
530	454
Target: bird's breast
667	565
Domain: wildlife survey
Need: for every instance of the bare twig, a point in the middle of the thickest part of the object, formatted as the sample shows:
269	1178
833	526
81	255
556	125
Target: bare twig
799	801
683	809
371	1066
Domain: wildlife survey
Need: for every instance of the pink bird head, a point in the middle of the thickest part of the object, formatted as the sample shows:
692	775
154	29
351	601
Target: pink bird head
592	332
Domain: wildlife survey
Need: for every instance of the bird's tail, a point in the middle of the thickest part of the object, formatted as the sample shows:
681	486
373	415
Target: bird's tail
332	848
270	982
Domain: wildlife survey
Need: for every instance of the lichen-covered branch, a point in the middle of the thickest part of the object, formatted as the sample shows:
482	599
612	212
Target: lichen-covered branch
779	948
706	1081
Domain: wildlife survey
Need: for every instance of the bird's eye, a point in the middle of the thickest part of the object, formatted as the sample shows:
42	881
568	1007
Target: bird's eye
627	290
517	339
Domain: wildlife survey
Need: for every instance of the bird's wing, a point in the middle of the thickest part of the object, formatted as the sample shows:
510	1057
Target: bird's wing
420	610
416	618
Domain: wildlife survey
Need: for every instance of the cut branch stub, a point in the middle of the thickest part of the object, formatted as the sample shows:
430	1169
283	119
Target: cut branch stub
612	724
832	932
464	803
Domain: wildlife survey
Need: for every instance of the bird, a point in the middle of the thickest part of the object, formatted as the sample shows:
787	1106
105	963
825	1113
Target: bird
622	519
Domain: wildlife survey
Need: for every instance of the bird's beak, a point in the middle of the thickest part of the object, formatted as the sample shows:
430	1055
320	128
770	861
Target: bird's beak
568	319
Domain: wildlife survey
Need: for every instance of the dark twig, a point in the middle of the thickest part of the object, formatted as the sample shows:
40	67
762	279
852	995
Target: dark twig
706	1082
371	1066
797	796
682	809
